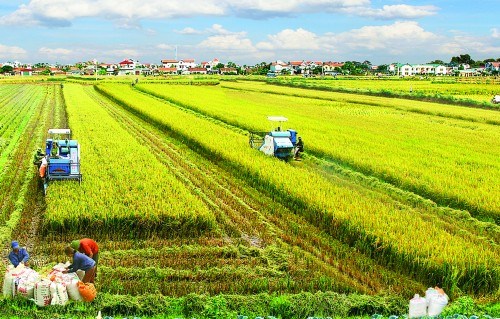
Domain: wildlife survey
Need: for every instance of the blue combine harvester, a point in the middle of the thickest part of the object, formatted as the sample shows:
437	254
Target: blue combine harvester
62	158
277	142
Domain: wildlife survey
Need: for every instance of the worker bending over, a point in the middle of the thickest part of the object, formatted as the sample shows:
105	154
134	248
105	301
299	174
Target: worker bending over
299	148
88	247
37	158
80	262
18	255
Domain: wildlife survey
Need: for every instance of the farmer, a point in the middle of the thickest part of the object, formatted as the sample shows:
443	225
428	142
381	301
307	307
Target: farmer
37	158
88	247
80	262
18	255
299	148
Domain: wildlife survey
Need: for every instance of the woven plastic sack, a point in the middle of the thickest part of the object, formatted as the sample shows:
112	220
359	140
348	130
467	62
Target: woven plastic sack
42	293
58	293
87	291
73	291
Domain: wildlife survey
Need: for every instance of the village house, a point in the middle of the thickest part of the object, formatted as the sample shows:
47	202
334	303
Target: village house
297	66
232	71
126	67
492	66
195	70
279	67
165	71
170	63
420	69
330	68
210	65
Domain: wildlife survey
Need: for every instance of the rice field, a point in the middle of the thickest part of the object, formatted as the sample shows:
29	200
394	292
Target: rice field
390	198
451	161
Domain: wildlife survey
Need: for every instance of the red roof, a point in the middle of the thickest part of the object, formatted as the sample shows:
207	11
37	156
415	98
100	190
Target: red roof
188	60
296	62
197	69
126	62
334	64
169	61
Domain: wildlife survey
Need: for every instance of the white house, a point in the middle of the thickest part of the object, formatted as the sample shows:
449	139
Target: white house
127	66
186	64
279	66
420	69
170	63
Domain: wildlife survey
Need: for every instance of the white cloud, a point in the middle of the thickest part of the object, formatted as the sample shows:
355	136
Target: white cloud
399	11
8	52
57	13
58	51
232	42
124	53
495	33
399	36
164	46
468	44
288	39
188	31
128	13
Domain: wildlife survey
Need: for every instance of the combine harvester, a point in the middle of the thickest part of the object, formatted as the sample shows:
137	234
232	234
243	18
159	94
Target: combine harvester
276	142
62	158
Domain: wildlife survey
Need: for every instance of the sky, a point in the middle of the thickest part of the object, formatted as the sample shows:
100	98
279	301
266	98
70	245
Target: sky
248	32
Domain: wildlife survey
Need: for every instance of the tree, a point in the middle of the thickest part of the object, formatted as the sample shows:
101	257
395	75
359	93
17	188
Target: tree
46	71
316	70
437	62
462	59
384	68
231	65
7	69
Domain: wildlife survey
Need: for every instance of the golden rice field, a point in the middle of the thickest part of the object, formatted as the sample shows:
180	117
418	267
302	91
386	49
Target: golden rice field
392	196
451	161
480	90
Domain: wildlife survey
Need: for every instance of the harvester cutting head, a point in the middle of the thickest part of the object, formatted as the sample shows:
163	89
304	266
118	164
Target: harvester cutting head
276	142
62	158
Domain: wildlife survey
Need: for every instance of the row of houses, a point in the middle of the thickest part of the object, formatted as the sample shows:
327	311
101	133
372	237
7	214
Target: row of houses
440	69
304	67
129	67
189	66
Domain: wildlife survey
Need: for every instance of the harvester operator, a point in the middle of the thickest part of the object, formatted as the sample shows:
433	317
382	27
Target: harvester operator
88	247
82	262
37	158
299	148
18	255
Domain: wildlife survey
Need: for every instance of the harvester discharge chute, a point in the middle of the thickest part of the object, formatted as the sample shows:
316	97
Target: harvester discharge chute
61	160
277	142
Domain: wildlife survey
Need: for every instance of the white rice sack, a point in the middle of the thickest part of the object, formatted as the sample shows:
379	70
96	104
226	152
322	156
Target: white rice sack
58	293
53	294
68	278
42	293
62	294
26	286
11	279
59	267
7	282
73	291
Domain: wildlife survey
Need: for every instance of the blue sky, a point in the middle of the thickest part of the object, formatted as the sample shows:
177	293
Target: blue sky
248	31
